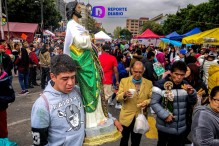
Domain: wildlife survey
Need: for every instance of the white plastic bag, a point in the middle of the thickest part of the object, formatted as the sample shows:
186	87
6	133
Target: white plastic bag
141	124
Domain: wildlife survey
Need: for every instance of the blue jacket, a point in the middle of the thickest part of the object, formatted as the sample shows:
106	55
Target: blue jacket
180	102
122	71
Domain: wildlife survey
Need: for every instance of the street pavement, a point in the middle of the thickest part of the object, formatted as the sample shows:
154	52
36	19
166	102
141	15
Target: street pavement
19	118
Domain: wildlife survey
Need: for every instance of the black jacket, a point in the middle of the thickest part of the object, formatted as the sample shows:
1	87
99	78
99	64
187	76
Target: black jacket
7	94
149	72
7	63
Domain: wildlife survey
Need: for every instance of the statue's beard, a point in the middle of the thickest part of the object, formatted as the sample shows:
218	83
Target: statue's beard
78	14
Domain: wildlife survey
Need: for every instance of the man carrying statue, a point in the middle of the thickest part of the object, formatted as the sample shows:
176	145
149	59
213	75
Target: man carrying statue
65	114
99	127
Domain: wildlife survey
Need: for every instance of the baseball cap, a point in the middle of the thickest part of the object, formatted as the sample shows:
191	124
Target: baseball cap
183	51
211	55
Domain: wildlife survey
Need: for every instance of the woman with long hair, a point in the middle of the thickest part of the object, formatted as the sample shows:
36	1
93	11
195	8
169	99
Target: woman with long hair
22	63
202	92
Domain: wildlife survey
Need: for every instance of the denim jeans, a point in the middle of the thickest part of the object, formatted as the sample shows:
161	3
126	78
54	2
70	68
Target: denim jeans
23	80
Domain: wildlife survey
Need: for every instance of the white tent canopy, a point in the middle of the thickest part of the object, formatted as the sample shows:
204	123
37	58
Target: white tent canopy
47	32
102	36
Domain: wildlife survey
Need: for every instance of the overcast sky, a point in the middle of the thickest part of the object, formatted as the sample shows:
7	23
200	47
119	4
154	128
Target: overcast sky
137	9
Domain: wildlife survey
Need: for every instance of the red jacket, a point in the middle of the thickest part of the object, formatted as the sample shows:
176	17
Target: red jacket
7	51
33	58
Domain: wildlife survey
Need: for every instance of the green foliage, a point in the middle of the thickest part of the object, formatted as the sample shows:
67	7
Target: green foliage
116	32
91	25
156	28
29	11
126	34
205	16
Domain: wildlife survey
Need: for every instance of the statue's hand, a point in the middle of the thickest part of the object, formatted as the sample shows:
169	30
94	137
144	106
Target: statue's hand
82	41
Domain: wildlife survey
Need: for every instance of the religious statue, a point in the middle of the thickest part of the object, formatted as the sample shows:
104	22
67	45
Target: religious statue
99	127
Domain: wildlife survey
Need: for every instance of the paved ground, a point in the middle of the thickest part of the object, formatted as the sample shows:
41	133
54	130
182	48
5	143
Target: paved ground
19	118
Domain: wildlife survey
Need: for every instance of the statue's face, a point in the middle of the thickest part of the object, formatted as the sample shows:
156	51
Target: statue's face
78	8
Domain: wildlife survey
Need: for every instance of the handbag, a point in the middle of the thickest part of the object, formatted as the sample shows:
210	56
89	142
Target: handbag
159	70
141	124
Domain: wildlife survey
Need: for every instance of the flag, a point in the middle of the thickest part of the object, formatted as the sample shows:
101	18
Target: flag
24	36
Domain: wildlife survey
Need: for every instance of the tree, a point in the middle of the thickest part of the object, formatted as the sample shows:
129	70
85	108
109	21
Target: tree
126	34
91	26
205	16
29	11
116	32
156	28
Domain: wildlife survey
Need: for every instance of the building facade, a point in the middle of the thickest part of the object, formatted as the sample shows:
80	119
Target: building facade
85	13
61	7
135	25
159	19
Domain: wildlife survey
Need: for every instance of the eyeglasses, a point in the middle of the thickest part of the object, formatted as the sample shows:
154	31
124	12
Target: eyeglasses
140	72
216	100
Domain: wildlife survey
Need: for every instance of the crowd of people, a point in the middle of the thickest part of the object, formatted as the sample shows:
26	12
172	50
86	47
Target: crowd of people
194	68
125	66
181	85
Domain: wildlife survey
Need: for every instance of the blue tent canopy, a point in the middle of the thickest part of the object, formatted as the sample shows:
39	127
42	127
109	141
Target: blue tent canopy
173	34
191	32
173	42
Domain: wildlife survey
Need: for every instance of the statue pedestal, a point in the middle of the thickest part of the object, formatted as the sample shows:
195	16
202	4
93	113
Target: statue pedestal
101	134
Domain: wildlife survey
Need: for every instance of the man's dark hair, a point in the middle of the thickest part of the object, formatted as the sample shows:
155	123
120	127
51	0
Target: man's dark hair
191	59
106	48
207	51
150	54
179	65
31	47
62	63
61	47
119	57
15	45
138	51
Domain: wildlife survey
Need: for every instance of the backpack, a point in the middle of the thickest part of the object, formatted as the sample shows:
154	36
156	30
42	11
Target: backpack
7	94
